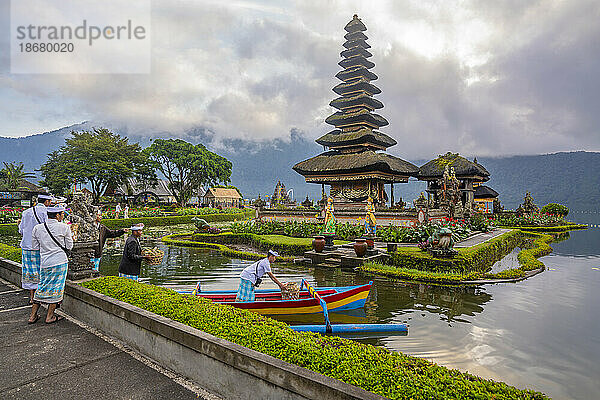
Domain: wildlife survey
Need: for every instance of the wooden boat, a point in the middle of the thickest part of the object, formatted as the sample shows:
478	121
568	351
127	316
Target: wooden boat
269	302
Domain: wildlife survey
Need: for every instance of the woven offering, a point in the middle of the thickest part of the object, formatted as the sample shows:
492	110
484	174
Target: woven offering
156	256
291	291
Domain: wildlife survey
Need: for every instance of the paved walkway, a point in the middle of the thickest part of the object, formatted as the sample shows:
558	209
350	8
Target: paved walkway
481	238
65	361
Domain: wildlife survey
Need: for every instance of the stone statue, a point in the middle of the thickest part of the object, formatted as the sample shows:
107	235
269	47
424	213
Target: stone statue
259	203
83	217
450	191
441	243
528	206
400	204
421	201
307	202
201	224
370	221
497	206
329	225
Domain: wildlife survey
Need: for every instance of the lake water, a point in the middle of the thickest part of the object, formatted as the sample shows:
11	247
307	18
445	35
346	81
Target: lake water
541	333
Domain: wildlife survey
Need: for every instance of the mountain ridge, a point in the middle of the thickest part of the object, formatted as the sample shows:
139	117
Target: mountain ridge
570	178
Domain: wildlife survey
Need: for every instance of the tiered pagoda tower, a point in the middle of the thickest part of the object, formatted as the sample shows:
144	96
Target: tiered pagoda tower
355	167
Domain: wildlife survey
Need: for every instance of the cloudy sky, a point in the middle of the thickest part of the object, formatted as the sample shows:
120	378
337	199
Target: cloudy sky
478	77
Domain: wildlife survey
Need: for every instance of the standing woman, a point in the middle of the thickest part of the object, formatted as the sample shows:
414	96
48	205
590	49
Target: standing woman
54	240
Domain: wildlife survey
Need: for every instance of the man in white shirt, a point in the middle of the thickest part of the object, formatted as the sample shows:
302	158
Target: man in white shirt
252	275
30	259
53	239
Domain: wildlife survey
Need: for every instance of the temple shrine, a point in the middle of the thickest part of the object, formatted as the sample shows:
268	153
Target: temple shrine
355	166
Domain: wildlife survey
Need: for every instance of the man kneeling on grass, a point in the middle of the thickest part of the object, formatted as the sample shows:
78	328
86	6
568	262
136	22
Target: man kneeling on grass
252	275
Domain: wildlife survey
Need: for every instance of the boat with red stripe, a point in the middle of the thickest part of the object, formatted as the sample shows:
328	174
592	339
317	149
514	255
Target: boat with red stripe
269	302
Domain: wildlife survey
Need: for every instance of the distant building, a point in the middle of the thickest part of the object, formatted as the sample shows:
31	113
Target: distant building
142	192
222	197
484	198
22	196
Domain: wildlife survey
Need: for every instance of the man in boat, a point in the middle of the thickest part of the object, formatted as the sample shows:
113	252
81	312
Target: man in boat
252	275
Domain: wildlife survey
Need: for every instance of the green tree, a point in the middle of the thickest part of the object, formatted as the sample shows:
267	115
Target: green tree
12	176
98	157
187	167
556	209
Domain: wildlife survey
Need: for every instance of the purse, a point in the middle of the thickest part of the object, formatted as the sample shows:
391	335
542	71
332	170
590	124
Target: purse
258	280
63	248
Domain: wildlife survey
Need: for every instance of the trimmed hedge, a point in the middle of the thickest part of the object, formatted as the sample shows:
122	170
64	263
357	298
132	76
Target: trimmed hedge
9	229
390	374
528	260
175	220
282	244
477	258
551	229
175	240
10	252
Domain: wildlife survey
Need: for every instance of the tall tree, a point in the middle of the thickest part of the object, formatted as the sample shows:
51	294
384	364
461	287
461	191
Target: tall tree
98	157
188	167
13	174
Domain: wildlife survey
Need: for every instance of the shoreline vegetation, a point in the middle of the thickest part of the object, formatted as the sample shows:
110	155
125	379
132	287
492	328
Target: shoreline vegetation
407	263
375	369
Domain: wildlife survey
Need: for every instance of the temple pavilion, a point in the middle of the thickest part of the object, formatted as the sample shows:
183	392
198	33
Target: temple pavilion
355	165
470	174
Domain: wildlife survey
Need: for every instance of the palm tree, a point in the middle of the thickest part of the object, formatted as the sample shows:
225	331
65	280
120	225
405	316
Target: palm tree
12	176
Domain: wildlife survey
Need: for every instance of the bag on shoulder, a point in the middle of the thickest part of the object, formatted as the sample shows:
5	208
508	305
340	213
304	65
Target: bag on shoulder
68	252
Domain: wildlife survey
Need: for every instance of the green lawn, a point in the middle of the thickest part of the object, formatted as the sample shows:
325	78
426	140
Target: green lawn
287	240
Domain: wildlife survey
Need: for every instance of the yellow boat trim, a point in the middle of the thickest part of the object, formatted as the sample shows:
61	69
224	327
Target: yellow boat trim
311	309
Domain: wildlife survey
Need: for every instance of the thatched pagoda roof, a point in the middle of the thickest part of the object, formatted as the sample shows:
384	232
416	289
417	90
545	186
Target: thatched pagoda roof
363	136
463	168
356	52
334	162
355	36
361	85
356	43
356	72
356	61
485	192
355	25
357	118
361	99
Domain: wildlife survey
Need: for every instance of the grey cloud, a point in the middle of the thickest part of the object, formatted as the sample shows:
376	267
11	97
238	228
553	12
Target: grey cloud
255	73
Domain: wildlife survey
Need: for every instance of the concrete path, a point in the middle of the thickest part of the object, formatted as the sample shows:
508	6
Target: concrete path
65	361
481	238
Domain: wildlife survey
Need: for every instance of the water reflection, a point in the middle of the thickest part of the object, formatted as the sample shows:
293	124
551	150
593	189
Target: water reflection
541	333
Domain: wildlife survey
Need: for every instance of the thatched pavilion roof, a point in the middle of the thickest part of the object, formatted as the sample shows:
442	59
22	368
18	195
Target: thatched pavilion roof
463	168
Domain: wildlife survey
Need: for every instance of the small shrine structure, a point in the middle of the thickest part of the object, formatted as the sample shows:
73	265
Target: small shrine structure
355	165
450	183
280	195
485	199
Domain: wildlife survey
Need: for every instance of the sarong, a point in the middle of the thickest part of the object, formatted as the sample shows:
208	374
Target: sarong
95	263
52	284
132	277
30	269
245	291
